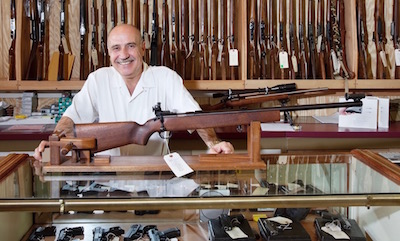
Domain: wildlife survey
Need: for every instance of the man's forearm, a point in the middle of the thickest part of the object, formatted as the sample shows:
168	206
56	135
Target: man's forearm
209	137
65	126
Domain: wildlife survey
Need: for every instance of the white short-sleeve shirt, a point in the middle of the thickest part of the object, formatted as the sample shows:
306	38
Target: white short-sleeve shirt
105	98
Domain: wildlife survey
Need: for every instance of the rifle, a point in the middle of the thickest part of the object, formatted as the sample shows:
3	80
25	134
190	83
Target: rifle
123	12
293	42
31	73
103	35
328	42
345	69
203	40
262	38
94	52
145	29
361	37
11	51
154	59
222	48
272	38
82	31
113	13
41	39
321	38
302	41
136	13
212	40
165	55
252	39
282	37
231	38
395	35
61	74
193	39
123	133
174	26
248	97
183	31
310	36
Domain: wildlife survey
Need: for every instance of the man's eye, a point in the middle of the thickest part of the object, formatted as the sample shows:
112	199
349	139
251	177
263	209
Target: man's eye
131	45
115	48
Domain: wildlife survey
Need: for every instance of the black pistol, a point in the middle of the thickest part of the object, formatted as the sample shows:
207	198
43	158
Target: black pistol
67	234
344	222
42	232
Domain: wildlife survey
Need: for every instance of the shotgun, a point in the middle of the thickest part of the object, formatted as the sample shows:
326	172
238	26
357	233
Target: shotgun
380	40
222	47
203	40
193	39
294	70
321	38
361	38
145	29
165	55
302	41
395	36
11	51
136	13
272	46
213	45
82	31
116	134
154	58
346	73
113	14
103	35
328	42
183	32
174	27
123	12
262	38
231	39
31	72
41	39
94	46
252	41
282	37
311	41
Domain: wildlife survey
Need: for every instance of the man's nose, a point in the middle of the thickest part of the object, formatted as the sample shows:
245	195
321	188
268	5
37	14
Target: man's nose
124	53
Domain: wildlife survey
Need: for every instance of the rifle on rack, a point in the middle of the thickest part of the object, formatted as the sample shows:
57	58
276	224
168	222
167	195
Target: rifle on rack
311	37
395	36
103	36
329	42
11	51
31	72
122	133
238	99
294	70
262	38
62	58
145	29
252	41
165	55
94	46
321	38
41	40
203	40
193	39
212	40
282	37
123	12
113	13
154	58
183	32
136	13
174	39
361	37
231	41
345	69
222	47
302	40
82	31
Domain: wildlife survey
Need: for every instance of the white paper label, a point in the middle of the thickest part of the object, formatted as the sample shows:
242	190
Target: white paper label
294	64
178	166
283	60
335	62
236	233
319	43
95	59
397	56
233	57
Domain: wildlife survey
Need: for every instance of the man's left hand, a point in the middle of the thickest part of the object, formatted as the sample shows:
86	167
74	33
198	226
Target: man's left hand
222	147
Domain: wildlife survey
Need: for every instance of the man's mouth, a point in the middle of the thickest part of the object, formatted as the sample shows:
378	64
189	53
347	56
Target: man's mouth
125	61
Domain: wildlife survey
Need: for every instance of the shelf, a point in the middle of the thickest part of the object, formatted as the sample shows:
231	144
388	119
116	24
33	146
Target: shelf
51	85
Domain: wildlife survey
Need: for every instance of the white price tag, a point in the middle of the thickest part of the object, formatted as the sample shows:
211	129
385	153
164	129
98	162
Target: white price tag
294	64
233	57
178	166
319	43
335	62
397	56
236	233
283	60
95	58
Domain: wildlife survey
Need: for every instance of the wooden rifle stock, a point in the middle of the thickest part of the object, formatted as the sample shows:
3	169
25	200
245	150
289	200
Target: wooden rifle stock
222	47
193	57
31	72
103	36
145	29
41	39
123	12
272	38
231	36
311	39
116	134
302	41
136	13
11	51
345	68
395	34
213	44
294	70
282	35
328	41
183	32
262	38
252	40
361	37
61	73
94	46
174	26
113	13
165	54
82	31
203	40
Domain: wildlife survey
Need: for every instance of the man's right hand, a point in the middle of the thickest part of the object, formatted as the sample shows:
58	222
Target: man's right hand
38	150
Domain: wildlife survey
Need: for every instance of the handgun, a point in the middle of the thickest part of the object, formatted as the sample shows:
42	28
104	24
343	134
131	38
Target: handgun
344	222
67	234
42	232
133	233
267	227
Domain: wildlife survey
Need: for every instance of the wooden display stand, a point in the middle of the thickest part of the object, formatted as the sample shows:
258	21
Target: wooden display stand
82	160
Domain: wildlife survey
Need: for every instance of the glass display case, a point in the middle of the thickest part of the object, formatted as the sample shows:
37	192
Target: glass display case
354	184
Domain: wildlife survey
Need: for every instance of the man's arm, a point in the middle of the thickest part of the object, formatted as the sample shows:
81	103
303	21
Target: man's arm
65	126
214	144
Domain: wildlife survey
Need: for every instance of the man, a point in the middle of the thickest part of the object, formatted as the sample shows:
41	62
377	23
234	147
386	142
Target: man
127	91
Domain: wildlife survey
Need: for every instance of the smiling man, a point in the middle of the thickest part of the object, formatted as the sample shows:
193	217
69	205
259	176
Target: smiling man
127	91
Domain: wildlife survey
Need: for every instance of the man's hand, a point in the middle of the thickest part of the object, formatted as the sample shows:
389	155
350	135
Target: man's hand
222	147
38	150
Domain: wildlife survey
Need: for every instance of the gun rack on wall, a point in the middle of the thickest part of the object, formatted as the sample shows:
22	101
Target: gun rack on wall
81	159
244	20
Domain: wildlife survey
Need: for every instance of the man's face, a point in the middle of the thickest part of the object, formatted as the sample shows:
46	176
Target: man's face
126	51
